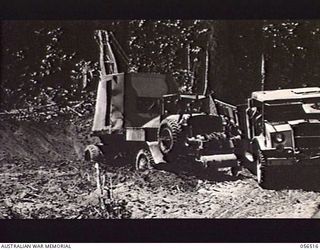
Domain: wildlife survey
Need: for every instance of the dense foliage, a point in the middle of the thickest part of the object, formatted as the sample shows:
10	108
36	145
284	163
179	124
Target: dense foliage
43	61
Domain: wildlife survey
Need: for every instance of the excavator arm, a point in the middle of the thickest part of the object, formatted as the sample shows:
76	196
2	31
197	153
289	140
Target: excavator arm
108	115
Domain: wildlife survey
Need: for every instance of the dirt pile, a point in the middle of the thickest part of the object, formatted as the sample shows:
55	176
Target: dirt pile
43	173
46	141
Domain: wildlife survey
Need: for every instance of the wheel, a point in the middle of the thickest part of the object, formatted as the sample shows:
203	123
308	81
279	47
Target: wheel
260	167
144	160
265	175
169	138
92	153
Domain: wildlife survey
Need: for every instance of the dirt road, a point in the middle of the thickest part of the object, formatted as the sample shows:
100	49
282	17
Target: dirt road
188	197
42	175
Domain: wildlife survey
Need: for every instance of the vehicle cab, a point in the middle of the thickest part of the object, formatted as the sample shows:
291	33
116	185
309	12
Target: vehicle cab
283	127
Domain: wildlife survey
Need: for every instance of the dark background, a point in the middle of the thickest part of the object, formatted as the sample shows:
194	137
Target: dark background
44	58
160	230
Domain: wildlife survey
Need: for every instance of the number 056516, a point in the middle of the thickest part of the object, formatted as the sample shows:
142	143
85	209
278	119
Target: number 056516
309	246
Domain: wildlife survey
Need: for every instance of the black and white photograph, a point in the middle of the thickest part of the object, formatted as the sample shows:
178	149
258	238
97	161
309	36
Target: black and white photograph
160	118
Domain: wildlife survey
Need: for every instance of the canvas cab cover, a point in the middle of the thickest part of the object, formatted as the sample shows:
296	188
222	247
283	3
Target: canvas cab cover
130	100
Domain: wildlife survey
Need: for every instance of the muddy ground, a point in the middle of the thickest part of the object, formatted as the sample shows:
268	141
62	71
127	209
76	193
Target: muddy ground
43	175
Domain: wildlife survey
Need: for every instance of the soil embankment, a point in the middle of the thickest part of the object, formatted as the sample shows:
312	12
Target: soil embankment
43	175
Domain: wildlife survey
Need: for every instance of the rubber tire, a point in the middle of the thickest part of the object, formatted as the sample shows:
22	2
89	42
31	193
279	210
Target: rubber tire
92	153
174	128
264	174
144	154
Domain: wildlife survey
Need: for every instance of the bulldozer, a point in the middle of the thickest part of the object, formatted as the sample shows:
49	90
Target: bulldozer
143	116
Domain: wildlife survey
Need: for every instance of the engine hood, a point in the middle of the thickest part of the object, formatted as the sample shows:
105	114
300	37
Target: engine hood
294	123
310	121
